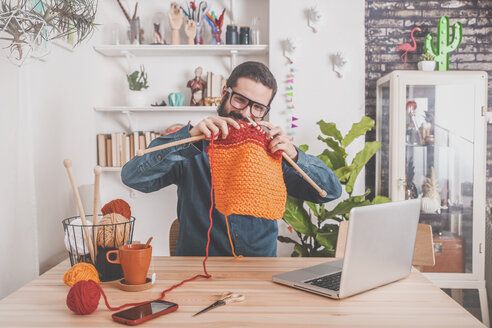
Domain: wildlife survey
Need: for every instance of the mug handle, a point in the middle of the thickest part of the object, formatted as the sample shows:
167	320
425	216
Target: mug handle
115	261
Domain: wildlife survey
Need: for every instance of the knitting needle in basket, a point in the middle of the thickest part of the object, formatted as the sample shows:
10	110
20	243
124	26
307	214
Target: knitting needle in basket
97	176
68	165
321	192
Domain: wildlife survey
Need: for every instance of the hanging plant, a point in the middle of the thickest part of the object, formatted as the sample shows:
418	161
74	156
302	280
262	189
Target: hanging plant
25	25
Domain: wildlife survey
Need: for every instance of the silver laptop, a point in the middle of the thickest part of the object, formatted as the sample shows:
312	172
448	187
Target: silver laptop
379	250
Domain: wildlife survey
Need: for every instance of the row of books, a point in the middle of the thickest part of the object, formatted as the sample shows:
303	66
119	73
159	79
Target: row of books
117	148
215	83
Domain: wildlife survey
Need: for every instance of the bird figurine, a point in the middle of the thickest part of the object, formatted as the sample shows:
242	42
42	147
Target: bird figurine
407	47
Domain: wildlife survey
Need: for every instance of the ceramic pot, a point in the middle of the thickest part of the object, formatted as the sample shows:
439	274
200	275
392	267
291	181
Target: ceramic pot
426	65
136	99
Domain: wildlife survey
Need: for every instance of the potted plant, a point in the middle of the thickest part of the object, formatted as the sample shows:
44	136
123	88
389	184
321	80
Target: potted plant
319	238
426	62
137	81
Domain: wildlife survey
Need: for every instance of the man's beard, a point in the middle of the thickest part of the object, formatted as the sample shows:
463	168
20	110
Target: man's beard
222	111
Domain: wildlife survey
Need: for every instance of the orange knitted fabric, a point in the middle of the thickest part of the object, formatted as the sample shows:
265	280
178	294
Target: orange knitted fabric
247	177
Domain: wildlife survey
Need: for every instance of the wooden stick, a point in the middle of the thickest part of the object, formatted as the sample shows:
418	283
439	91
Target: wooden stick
68	165
321	192
141	152
97	175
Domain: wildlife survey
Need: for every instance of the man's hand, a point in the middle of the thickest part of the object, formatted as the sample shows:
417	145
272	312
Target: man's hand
280	140
214	125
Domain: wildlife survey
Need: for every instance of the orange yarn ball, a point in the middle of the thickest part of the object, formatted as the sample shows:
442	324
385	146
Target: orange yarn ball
117	206
81	271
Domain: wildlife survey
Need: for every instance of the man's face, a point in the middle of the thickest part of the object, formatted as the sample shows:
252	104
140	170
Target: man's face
250	89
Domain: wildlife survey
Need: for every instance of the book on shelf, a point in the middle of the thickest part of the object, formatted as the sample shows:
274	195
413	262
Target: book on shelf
117	148
215	84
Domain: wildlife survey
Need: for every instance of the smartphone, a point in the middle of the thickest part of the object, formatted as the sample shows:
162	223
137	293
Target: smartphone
141	313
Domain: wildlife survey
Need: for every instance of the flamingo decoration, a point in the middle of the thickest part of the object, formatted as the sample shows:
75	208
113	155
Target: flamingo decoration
407	47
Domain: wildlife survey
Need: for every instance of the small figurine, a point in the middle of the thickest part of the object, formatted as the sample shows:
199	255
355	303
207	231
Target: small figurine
407	47
197	85
157	34
176	16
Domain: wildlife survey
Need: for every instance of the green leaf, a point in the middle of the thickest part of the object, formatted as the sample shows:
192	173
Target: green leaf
346	205
301	251
298	218
283	239
326	160
330	142
381	200
336	159
357	130
343	173
304	148
327	236
314	207
330	129
360	161
324	252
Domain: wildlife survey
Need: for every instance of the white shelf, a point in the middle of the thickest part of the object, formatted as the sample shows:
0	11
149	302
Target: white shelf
182	50
156	109
111	169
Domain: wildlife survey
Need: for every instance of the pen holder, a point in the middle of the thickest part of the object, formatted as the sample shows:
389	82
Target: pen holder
108	237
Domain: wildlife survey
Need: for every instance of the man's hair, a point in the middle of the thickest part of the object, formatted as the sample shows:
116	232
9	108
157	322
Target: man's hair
255	71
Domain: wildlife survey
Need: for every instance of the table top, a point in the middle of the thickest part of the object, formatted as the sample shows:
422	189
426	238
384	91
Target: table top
410	302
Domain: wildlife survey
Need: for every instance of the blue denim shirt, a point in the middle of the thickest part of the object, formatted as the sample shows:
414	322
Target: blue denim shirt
187	166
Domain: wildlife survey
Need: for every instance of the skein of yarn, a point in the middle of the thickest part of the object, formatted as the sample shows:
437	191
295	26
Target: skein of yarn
113	230
74	237
81	271
83	297
117	206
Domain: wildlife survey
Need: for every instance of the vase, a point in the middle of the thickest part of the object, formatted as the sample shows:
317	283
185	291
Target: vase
426	65
136	99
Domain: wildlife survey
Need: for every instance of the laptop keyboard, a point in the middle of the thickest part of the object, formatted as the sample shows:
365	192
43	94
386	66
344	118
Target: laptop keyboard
331	281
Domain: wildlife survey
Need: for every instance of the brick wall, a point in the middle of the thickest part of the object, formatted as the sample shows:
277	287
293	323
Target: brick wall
388	24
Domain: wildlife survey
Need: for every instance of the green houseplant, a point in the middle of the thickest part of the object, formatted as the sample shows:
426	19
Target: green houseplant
426	62
319	238
137	81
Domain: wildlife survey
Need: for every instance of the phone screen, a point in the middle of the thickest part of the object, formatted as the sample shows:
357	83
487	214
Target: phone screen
144	310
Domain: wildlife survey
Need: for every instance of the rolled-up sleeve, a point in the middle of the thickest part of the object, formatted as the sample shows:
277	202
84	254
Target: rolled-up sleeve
324	177
161	168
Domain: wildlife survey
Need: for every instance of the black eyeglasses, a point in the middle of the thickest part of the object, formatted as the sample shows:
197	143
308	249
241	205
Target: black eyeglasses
240	102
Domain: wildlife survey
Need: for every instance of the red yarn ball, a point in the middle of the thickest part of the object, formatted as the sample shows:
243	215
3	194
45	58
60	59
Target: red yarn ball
83	297
117	206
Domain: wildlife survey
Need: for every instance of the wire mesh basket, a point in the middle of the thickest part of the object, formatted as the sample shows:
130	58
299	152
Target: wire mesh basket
107	237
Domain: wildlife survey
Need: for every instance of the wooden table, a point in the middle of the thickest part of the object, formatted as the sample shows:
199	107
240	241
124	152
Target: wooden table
411	302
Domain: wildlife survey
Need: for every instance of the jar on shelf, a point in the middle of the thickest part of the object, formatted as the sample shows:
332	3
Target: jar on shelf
255	30
244	35
231	34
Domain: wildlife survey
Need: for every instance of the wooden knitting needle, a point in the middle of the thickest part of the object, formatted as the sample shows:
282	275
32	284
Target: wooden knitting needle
321	192
68	165
141	152
97	175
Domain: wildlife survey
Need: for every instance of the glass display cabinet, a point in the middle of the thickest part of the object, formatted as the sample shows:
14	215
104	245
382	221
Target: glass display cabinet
432	126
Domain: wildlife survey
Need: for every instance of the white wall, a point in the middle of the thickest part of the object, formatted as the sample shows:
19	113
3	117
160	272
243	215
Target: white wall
18	229
64	90
318	93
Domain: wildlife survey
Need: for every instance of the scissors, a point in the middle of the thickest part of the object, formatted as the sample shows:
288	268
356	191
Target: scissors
227	298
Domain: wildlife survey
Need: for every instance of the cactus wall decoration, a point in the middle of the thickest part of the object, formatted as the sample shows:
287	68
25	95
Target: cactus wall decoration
443	45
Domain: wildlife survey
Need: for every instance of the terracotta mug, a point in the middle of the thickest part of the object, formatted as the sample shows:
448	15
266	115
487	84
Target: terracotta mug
134	260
